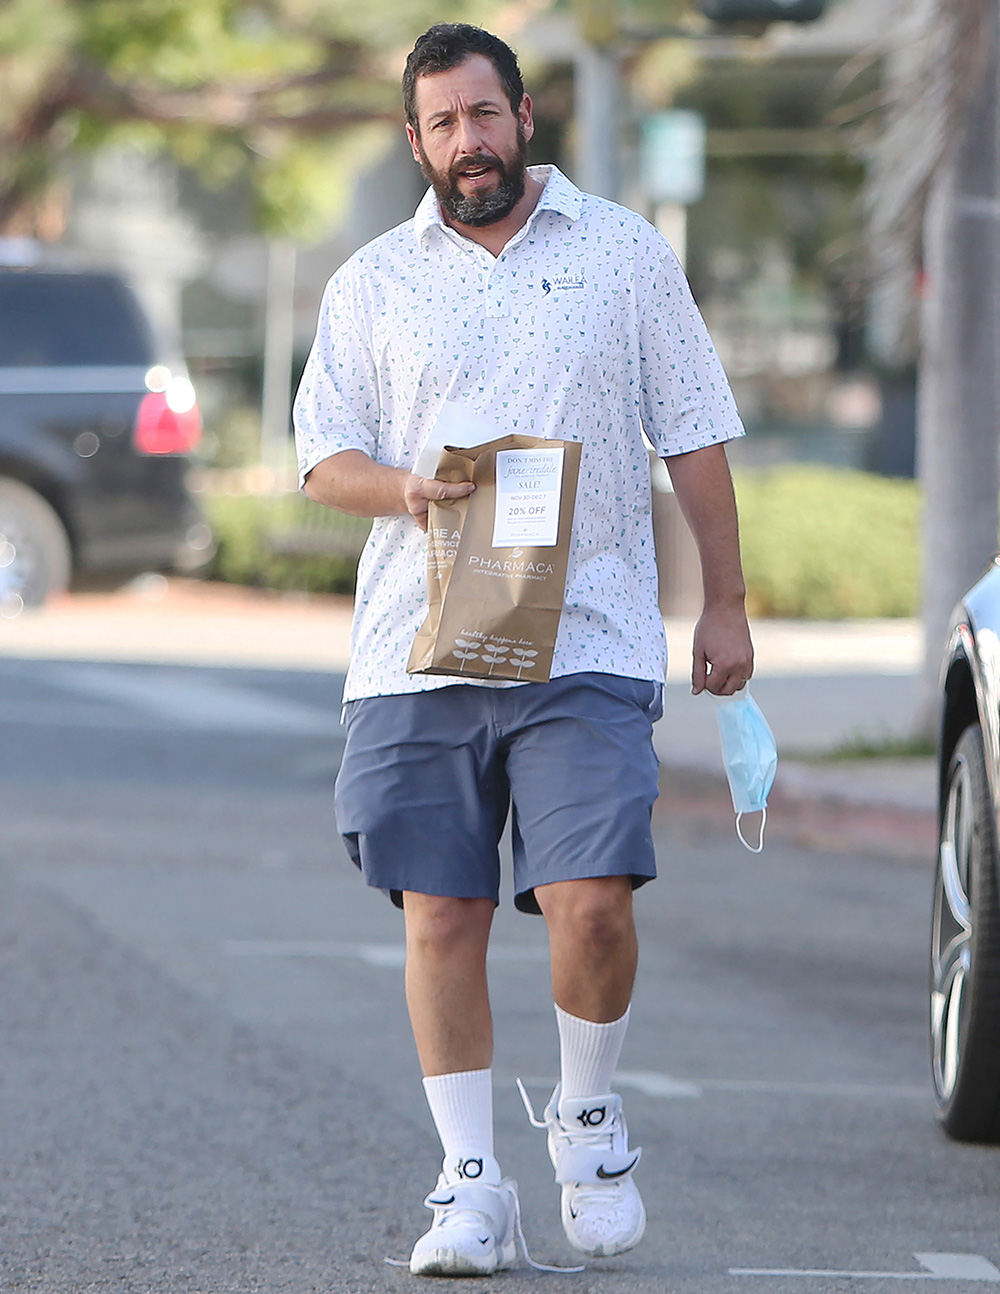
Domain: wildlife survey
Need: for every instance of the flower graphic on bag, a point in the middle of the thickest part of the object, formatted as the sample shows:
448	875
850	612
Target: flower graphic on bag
467	652
494	655
523	658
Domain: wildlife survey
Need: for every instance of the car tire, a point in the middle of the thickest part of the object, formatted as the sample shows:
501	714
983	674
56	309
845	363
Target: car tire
965	952
35	557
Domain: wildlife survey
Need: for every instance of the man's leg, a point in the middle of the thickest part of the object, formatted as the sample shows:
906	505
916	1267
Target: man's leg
446	991
422	798
594	953
592	944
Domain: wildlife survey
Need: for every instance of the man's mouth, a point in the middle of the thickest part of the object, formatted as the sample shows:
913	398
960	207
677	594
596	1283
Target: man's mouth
477	172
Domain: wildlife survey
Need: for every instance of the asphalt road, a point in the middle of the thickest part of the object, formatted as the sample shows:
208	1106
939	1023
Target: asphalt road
207	1077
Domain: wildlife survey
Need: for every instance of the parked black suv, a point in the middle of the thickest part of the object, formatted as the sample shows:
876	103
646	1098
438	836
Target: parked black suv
94	438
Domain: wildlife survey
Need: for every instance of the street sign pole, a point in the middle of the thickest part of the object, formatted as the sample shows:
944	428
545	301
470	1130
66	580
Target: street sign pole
278	343
597	98
597	93
672	170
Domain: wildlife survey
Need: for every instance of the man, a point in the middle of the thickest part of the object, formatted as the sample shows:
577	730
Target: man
516	303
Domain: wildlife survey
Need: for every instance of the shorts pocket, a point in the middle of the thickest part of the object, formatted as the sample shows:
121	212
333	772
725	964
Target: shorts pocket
649	698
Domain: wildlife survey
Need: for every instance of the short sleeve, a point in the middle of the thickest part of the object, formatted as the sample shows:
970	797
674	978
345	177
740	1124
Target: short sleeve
336	406
687	402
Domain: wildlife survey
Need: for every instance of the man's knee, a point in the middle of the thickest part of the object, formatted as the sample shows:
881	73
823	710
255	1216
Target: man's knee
595	912
438	924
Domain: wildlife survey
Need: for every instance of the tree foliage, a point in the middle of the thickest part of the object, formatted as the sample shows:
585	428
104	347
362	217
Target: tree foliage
284	90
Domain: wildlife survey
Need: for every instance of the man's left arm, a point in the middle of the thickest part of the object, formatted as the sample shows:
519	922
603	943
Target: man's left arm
722	650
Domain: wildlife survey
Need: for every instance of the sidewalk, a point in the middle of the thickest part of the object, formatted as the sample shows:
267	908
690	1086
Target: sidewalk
820	685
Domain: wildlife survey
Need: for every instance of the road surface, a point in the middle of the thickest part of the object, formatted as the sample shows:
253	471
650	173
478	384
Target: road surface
208	1080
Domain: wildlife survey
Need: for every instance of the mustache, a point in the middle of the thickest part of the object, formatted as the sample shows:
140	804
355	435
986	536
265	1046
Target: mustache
475	159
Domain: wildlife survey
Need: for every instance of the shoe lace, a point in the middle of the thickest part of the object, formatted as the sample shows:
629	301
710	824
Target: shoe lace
533	1118
539	1267
571	1135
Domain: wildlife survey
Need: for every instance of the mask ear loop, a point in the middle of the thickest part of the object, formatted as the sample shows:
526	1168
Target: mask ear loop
759	848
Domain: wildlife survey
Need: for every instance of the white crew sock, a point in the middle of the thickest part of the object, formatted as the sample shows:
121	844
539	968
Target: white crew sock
462	1110
588	1053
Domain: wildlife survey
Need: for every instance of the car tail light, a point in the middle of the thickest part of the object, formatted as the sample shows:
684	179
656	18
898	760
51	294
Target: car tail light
168	421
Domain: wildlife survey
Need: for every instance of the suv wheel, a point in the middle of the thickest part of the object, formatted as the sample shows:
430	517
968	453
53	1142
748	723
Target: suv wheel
965	952
34	549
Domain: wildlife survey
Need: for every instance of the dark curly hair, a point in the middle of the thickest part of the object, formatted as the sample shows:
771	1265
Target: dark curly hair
446	45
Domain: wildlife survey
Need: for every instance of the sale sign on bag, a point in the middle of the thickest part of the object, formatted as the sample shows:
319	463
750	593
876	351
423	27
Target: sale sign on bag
496	560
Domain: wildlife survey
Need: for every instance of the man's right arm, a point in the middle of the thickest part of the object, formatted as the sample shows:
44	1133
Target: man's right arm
354	483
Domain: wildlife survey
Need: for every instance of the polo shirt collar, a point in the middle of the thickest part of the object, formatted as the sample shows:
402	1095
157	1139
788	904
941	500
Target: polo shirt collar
559	195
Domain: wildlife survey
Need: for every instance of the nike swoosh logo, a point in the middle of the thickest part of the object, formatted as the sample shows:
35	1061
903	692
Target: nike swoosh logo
483	1240
449	1200
621	1172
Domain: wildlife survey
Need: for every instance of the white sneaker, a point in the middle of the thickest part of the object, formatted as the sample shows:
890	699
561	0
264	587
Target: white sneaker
474	1232
602	1211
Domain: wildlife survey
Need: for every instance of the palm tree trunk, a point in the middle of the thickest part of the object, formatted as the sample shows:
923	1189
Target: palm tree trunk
959	398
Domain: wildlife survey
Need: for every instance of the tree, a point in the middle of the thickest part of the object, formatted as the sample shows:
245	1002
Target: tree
935	202
284	90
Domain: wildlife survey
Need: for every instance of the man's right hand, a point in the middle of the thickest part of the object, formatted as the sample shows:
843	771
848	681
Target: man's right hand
355	484
418	491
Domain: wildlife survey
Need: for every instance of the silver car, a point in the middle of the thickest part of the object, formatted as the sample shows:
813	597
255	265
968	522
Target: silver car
965	936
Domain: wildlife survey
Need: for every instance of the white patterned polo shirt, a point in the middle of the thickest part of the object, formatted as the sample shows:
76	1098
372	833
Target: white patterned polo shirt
583	328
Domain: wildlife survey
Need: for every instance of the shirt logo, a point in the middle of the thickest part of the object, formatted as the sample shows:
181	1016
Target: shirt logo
564	282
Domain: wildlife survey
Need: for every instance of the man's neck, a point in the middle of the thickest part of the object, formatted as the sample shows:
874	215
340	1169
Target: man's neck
495	237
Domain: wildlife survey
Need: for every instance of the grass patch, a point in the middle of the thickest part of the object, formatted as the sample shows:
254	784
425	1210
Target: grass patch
880	748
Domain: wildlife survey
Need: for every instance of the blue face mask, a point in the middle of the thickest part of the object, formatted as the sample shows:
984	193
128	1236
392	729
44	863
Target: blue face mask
750	755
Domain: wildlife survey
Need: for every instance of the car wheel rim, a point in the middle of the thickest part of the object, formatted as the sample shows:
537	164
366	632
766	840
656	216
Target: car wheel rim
21	568
951	937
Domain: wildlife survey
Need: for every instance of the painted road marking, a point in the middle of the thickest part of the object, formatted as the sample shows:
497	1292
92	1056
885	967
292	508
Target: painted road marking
666	1087
386	955
663	1085
390	956
195	702
953	1267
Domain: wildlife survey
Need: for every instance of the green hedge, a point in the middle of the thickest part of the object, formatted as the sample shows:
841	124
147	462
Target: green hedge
284	542
818	543
821	543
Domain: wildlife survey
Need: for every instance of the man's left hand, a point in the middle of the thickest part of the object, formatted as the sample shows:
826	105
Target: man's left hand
723	652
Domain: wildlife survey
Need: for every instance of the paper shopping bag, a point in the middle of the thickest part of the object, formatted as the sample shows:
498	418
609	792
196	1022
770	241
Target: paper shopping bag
497	560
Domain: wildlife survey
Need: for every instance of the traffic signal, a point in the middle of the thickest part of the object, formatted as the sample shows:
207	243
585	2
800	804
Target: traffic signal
762	10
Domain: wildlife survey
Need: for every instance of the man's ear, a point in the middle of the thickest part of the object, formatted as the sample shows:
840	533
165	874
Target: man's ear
414	139
525	118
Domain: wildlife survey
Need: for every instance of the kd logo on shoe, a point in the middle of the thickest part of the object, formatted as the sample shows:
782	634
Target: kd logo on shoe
592	1118
470	1169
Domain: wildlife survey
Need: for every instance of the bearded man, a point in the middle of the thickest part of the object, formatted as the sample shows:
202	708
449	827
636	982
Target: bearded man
520	304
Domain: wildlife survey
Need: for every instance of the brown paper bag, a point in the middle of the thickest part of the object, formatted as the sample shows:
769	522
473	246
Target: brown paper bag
496	560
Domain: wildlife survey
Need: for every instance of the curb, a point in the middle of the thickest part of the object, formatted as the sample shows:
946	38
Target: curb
803	811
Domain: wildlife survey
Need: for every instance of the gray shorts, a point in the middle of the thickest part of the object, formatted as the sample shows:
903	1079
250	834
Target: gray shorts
427	781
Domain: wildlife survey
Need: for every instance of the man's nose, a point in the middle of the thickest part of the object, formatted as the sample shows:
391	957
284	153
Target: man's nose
468	135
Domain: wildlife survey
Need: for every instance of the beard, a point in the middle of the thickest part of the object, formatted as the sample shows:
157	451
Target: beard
478	209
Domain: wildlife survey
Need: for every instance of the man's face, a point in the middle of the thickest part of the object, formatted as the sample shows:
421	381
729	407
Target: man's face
471	145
